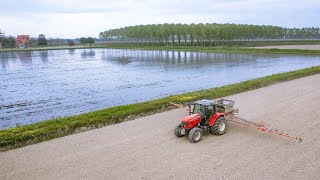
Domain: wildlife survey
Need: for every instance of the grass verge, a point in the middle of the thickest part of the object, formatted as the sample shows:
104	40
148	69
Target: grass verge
216	49
42	131
175	48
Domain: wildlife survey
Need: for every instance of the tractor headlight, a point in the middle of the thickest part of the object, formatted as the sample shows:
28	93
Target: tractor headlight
187	126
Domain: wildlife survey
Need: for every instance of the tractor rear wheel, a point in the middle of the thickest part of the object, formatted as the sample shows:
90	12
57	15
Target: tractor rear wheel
219	127
195	135
177	130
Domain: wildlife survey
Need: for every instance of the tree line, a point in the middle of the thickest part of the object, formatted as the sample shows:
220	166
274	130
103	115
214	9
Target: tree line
88	40
206	34
41	40
7	41
10	41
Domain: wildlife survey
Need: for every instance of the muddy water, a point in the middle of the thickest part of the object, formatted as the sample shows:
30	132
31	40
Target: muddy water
41	85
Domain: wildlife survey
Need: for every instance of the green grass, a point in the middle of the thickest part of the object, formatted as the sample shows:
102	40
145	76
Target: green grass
176	48
37	132
209	49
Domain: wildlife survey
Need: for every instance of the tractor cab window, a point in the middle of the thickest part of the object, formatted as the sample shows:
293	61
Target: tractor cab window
199	109
209	111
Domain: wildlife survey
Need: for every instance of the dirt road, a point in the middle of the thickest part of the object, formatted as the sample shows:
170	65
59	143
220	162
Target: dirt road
305	47
146	148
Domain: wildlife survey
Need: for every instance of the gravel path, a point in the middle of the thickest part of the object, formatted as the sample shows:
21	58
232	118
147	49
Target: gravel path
305	47
146	148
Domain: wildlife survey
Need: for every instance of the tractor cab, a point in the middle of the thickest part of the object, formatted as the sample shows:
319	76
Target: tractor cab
205	108
205	116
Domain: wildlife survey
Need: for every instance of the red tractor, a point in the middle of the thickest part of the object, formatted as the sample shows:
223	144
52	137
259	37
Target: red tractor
205	116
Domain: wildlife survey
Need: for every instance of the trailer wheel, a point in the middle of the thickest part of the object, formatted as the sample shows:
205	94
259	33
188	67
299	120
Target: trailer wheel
195	135
177	130
219	127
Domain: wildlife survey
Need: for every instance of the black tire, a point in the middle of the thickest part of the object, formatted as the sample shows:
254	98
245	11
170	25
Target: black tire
219	127
177	130
195	135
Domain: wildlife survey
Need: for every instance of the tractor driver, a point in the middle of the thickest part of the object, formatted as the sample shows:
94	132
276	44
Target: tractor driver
208	114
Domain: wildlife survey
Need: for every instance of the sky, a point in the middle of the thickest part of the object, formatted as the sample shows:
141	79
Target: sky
77	18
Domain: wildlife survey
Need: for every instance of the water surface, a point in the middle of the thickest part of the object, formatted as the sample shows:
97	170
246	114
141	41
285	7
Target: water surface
41	85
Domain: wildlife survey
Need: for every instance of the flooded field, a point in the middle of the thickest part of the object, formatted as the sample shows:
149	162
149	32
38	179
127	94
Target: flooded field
41	85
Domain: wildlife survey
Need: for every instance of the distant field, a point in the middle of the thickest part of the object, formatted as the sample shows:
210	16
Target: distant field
302	47
283	46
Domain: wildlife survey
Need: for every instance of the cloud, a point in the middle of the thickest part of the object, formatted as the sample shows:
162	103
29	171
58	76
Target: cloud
75	18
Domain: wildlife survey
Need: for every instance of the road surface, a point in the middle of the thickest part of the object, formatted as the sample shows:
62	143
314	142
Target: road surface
146	148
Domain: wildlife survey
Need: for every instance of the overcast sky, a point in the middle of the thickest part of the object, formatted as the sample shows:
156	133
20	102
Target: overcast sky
76	18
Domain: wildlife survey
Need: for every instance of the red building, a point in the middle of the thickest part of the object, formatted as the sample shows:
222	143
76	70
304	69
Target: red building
23	41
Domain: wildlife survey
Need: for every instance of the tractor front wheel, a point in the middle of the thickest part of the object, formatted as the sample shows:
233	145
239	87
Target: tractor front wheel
177	130
195	135
219	127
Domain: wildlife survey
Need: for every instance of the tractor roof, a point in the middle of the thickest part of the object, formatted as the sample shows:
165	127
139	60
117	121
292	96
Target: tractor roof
205	102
